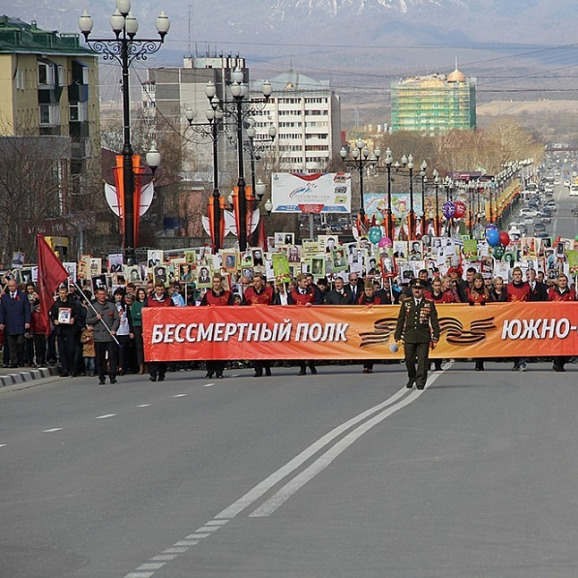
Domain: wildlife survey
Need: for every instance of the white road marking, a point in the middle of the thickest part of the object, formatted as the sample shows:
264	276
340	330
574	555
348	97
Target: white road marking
236	375
180	395
208	385
370	419
187	543
139	575
327	458
267	508
144	405
106	416
52	430
2	445
164	557
253	495
151	566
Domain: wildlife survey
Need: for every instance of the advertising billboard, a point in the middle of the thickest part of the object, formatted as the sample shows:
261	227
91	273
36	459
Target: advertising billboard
314	193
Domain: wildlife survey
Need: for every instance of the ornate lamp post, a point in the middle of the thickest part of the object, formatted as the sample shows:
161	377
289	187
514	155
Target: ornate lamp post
360	158
214	116
423	176
240	91
388	163
436	177
125	48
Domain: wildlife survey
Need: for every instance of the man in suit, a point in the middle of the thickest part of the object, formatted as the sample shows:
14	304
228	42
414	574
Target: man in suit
538	290
355	287
15	317
418	323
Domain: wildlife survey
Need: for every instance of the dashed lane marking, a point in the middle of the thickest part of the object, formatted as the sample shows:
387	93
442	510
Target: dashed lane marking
144	405
54	429
106	416
180	395
208	385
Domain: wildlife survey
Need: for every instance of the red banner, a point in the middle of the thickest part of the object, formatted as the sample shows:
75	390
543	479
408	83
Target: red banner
51	273
355	332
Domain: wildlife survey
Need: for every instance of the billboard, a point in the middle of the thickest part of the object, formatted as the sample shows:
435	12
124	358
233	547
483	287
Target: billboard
376	203
315	193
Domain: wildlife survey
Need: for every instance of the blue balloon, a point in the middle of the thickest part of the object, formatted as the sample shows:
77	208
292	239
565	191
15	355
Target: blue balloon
493	237
374	234
491	227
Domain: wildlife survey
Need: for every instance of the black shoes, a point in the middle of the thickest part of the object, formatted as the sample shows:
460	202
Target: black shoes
258	374
161	378
152	377
558	368
219	375
209	375
409	384
302	372
313	371
420	386
113	380
267	372
101	382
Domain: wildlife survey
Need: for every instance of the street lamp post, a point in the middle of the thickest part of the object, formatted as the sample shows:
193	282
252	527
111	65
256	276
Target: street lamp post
436	177
388	162
359	159
258	187
125	48
214	116
240	90
423	176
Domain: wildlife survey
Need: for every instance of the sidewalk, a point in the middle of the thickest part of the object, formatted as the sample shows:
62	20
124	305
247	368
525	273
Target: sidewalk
9	376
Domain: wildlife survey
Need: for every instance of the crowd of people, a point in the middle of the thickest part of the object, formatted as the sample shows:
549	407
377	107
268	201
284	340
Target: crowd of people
101	335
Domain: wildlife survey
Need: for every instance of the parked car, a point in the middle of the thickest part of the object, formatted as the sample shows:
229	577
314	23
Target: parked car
541	235
539	227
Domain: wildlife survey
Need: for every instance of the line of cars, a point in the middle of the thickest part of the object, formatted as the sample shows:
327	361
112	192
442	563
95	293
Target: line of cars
537	212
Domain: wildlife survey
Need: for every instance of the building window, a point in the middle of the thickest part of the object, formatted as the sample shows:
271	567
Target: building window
45	74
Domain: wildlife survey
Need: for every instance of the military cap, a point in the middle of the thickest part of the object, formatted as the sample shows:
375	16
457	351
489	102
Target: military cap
417	283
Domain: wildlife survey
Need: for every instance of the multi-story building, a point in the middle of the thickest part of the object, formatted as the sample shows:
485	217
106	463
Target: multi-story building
307	115
169	92
434	104
48	87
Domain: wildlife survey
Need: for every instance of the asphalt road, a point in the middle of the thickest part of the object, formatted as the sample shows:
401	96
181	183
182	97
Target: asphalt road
336	475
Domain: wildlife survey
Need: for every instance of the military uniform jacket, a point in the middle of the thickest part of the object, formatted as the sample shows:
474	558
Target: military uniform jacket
418	323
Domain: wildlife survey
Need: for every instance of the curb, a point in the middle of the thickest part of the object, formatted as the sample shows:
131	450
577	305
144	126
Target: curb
27	376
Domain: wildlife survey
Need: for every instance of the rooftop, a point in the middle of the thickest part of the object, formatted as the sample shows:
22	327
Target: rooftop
20	37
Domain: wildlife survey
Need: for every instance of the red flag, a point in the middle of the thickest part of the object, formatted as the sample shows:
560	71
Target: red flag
51	274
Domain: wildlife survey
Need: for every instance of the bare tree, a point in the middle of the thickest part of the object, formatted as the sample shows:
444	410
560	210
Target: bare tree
34	188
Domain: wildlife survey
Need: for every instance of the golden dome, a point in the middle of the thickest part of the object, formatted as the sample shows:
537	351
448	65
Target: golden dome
456	76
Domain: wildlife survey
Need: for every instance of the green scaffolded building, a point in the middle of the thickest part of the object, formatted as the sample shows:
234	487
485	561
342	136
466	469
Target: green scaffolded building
434	104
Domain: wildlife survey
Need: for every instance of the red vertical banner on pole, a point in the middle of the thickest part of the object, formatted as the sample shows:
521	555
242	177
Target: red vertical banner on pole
235	197
119	184
211	215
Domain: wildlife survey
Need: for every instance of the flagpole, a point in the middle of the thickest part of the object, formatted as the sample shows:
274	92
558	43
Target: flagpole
95	311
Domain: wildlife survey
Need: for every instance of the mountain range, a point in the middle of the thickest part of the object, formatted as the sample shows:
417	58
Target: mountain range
355	43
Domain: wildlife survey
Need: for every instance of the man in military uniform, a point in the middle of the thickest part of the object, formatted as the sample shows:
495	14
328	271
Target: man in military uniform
418	322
